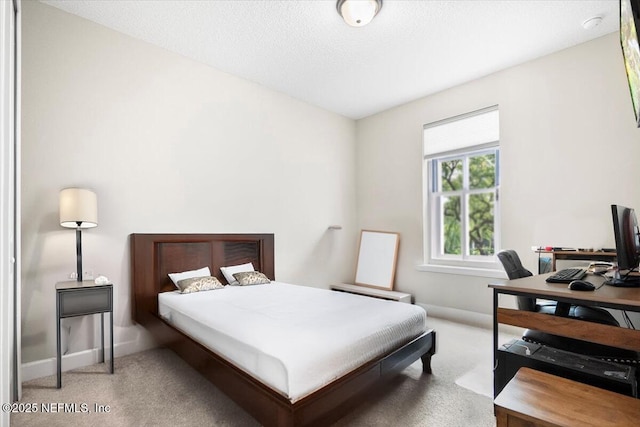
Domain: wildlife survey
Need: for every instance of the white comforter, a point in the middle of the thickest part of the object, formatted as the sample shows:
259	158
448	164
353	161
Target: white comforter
294	338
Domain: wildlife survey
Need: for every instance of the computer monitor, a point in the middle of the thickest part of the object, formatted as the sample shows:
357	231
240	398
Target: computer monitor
626	233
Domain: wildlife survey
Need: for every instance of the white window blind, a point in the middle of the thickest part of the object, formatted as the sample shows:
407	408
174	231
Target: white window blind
475	129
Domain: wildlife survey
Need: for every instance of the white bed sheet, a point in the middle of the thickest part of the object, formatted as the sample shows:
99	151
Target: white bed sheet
294	338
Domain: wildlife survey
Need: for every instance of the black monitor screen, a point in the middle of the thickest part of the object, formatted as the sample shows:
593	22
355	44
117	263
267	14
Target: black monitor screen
625	231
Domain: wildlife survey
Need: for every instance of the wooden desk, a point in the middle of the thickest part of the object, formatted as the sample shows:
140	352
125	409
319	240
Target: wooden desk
536	287
534	398
579	256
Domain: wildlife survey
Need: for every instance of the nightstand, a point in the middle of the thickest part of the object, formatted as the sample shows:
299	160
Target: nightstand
81	299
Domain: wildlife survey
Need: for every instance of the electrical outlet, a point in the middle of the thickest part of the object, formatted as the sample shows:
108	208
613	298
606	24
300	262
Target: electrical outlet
87	275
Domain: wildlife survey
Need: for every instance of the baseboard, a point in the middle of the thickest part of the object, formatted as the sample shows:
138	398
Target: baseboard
46	367
461	316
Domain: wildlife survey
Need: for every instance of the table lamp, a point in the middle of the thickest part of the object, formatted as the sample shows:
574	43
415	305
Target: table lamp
78	209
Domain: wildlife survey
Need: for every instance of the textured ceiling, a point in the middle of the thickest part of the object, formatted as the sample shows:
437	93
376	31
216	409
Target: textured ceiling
303	48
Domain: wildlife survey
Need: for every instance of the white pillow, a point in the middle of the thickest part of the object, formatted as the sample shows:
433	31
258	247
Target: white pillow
176	277
229	271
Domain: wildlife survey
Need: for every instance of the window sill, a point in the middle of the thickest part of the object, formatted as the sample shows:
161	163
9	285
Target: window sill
462	271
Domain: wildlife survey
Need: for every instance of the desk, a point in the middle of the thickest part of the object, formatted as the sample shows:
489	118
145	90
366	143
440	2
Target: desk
579	256
536	287
80	299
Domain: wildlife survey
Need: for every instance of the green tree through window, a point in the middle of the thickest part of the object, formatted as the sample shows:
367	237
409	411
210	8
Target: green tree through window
478	196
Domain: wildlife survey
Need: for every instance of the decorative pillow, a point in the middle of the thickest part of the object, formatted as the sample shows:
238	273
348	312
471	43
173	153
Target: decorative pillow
251	278
197	284
229	271
201	272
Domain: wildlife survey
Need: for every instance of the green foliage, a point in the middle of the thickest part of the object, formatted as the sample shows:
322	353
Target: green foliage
452	226
480	207
482	171
481	224
451	175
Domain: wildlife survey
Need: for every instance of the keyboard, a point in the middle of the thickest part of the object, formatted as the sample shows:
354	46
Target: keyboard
567	275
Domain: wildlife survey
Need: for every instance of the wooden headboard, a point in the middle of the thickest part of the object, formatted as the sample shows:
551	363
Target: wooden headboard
154	256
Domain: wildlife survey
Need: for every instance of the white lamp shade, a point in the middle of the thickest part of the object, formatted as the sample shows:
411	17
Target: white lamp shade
358	13
78	205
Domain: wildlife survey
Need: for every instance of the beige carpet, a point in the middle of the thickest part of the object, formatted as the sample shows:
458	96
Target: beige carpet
156	388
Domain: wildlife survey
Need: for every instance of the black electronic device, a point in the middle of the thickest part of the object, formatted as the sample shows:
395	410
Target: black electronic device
629	25
626	233
567	275
516	353
582	285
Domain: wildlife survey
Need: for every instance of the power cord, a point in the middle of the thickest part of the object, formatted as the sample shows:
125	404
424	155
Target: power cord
527	351
624	313
627	319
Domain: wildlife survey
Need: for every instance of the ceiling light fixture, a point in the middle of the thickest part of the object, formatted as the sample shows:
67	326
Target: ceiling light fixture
358	13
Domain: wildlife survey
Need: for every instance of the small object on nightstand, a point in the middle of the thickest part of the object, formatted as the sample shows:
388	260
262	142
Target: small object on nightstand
102	280
80	299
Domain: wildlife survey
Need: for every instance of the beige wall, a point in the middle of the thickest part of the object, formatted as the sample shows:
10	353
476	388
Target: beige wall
570	106
169	145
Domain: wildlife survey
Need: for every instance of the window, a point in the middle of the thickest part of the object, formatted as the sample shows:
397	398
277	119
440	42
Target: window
461	190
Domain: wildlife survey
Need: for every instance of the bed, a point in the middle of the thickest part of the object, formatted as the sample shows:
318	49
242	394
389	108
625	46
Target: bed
154	256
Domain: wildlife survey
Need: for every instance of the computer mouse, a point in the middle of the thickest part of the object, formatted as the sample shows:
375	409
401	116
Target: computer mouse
582	285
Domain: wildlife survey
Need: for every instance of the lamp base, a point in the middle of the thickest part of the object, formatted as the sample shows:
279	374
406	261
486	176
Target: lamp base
79	252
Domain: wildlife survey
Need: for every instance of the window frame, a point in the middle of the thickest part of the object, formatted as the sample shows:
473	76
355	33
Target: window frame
435	259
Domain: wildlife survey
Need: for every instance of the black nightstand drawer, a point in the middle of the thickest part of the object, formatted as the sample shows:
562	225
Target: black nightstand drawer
86	301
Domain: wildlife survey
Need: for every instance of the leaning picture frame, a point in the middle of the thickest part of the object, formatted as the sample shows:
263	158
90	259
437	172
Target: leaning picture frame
377	257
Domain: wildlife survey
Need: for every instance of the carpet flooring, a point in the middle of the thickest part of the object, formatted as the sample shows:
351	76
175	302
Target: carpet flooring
156	388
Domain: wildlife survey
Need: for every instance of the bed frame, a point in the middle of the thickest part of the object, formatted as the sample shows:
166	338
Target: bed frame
153	256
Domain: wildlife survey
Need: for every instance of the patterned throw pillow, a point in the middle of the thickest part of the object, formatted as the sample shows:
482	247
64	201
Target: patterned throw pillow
251	278
230	270
197	284
201	272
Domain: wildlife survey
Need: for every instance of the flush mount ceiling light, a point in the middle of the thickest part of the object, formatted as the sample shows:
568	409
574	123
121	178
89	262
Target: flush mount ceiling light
358	13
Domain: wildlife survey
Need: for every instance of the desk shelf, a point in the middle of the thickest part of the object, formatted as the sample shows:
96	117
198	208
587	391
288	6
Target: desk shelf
578	256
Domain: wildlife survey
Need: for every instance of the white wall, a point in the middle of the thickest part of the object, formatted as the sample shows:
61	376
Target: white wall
9	153
169	145
572	105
